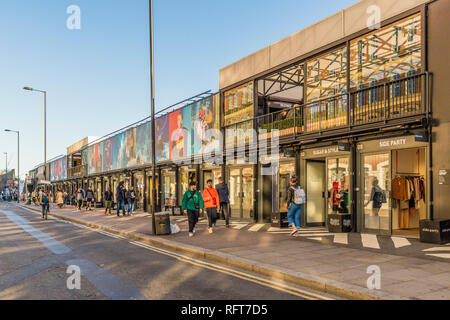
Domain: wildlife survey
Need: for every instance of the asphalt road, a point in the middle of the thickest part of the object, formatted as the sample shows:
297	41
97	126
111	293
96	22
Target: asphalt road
35	256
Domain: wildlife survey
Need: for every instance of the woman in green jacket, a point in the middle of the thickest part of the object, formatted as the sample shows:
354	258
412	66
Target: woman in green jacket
192	205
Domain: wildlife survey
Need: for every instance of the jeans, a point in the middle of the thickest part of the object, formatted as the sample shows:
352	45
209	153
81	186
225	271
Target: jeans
120	205
45	206
212	216
130	207
225	211
193	219
294	214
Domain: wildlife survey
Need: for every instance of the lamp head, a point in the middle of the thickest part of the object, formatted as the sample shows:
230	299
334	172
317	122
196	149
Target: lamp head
7	130
28	88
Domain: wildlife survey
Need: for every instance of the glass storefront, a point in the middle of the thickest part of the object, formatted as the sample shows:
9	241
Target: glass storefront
187	175
281	184
139	188
169	188
338	178
394	182
241	185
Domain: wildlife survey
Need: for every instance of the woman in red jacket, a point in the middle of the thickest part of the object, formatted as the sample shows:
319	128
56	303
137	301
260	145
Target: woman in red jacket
212	204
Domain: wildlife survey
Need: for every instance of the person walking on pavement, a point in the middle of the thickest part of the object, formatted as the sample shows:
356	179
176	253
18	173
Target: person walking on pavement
192	205
89	199
45	205
296	198
211	201
224	199
120	198
131	199
60	199
108	200
80	198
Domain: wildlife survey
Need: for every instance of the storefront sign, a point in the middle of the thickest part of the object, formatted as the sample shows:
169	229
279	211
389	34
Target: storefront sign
343	146
392	143
324	151
421	136
444	177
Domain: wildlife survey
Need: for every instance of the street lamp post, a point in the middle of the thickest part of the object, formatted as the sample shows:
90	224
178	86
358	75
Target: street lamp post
6	153
18	161
45	125
152	104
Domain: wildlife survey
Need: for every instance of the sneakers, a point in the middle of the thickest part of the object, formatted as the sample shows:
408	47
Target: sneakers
193	231
210	230
191	234
294	232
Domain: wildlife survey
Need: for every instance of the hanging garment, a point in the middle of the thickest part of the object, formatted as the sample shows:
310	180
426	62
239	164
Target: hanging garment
403	222
422	188
399	187
416	189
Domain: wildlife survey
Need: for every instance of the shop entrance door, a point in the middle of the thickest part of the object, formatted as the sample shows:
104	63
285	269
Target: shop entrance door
376	181
315	193
241	193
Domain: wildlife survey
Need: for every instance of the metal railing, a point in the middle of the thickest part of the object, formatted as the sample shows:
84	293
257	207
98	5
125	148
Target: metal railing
400	98
79	171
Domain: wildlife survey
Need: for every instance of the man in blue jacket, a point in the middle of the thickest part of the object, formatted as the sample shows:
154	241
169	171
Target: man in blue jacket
224	199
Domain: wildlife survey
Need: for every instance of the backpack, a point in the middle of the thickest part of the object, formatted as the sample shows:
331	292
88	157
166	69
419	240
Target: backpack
299	195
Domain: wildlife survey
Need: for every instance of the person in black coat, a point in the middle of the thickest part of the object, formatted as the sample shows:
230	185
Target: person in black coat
224	199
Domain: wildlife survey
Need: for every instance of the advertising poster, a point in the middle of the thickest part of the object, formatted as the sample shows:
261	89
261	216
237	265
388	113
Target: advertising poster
64	168
187	124
91	161
116	142
85	157
179	136
162	139
143	144
107	155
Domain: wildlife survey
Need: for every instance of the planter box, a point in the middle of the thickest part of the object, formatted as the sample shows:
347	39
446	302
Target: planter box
435	231
339	223
280	220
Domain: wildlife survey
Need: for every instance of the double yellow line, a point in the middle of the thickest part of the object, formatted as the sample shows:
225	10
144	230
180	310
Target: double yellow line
235	273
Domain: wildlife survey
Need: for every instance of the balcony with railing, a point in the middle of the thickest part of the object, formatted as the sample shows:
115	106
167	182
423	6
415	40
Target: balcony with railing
401	98
76	172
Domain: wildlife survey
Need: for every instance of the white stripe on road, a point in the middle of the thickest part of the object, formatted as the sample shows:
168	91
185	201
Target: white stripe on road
238	226
341	238
443	255
256	227
370	241
314	234
51	244
437	249
315	238
400	242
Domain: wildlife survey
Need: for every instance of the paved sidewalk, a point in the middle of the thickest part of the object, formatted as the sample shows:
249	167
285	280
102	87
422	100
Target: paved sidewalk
406	273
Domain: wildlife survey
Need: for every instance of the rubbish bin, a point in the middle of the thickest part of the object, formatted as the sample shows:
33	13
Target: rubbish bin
162	223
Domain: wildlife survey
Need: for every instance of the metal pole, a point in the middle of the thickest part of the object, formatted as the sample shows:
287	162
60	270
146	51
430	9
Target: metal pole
18	165
152	84
45	134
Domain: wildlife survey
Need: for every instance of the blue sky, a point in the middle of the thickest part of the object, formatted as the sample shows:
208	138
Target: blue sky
97	78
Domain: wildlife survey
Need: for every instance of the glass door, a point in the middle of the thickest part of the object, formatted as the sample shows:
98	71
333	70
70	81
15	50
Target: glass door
376	200
315	193
247	193
338	182
235	193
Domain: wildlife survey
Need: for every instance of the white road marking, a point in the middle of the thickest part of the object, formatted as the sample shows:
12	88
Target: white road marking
256	227
370	241
443	255
239	226
400	242
315	238
341	238
437	249
314	234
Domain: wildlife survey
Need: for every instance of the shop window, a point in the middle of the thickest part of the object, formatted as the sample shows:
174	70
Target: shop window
383	53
